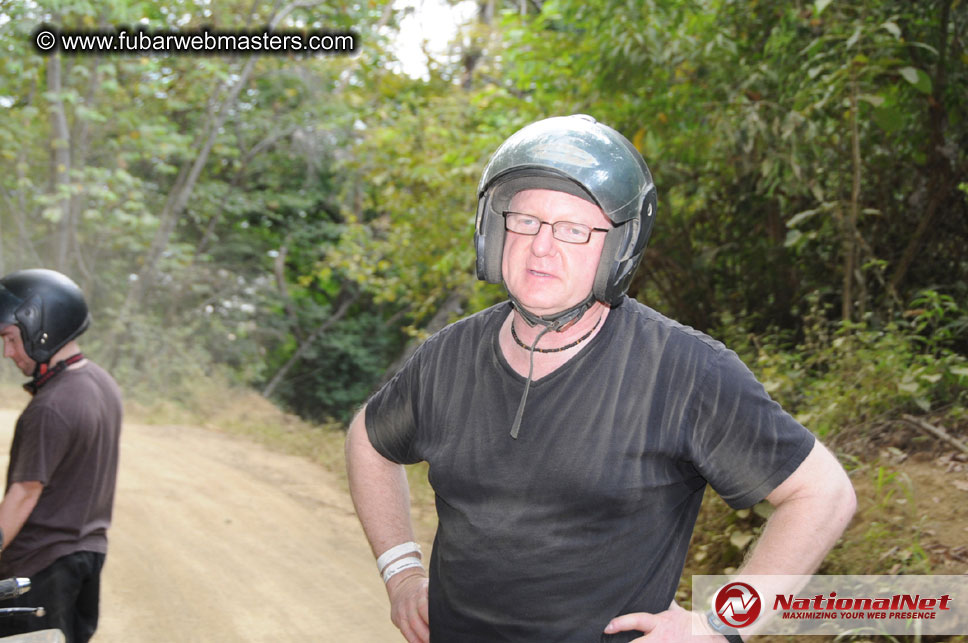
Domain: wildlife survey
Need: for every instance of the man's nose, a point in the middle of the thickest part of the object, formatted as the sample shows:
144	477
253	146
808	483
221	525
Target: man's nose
543	243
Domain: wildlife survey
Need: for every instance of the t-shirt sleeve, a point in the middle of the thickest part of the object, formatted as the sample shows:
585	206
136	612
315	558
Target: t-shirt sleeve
391	415
43	438
744	443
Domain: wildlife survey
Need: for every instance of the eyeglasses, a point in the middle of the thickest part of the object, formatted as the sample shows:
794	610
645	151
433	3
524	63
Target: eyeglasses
561	230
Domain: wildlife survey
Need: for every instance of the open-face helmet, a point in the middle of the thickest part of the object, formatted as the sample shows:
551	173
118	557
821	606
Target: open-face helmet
582	157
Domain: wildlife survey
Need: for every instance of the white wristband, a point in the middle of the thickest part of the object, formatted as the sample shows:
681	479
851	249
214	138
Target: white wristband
398	566
396	552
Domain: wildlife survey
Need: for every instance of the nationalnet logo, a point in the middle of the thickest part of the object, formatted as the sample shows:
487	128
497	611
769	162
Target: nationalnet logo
926	605
898	606
738	605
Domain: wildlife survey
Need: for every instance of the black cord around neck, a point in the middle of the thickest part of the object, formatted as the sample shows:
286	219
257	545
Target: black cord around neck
516	426
553	350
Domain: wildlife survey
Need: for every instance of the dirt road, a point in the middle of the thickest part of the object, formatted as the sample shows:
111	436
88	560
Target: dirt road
217	539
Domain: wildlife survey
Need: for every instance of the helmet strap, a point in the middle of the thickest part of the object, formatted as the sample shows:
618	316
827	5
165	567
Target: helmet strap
44	373
557	322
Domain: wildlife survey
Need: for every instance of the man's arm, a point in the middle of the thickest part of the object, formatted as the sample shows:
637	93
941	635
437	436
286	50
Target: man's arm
813	507
16	507
381	496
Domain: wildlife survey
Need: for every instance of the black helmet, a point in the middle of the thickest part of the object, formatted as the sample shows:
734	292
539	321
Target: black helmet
585	158
48	307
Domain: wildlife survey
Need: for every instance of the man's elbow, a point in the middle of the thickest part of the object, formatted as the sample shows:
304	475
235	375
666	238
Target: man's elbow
843	501
834	491
851	500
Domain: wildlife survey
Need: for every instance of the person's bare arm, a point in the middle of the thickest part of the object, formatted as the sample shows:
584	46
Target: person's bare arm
16	507
381	496
813	506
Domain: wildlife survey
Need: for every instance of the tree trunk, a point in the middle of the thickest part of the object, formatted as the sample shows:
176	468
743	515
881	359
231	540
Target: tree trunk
80	139
851	269
60	163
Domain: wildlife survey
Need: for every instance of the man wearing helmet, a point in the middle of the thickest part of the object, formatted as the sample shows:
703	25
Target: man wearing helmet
572	431
63	460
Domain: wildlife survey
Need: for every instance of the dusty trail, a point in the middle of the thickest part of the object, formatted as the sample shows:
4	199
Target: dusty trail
217	539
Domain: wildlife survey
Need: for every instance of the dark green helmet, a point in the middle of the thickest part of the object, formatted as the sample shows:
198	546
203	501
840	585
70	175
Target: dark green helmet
585	158
48	308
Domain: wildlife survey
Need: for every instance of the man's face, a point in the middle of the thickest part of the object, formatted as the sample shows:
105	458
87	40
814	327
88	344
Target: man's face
13	347
547	275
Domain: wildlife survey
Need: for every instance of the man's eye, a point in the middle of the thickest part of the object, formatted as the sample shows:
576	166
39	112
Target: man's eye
576	232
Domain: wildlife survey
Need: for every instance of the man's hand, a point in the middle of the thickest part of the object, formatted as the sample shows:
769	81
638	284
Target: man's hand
408	605
673	625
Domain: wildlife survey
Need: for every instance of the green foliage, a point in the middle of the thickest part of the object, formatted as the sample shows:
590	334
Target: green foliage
340	370
781	140
410	242
169	364
937	321
225	273
233	205
845	376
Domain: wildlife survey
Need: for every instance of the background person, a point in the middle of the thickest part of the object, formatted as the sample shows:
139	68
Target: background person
63	460
571	432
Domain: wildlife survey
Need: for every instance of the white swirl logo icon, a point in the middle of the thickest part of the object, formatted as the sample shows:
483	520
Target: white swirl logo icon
45	40
738	604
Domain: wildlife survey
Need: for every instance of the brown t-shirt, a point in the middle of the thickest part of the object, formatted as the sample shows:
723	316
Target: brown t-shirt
66	439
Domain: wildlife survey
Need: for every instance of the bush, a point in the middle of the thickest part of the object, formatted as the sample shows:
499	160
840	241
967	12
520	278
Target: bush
845	375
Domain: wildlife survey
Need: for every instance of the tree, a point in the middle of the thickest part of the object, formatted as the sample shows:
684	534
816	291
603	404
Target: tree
781	142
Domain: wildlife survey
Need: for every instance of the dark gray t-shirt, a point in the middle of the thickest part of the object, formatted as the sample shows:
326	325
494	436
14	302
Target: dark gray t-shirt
589	513
67	439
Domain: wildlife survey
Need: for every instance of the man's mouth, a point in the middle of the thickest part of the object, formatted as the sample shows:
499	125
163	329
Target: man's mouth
538	273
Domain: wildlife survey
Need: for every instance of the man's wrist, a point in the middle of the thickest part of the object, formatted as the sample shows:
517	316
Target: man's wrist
719	627
397	552
405	577
401	565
